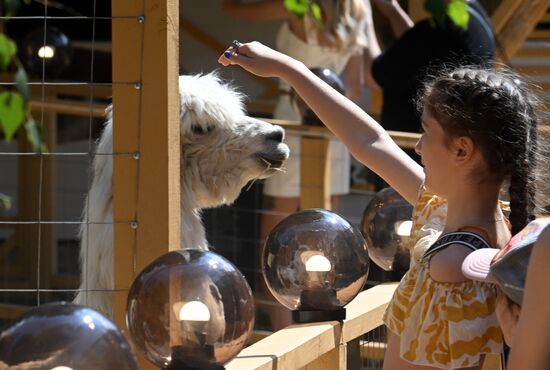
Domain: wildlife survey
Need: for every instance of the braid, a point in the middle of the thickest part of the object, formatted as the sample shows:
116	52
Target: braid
522	185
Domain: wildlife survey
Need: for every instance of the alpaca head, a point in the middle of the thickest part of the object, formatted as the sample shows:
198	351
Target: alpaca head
222	149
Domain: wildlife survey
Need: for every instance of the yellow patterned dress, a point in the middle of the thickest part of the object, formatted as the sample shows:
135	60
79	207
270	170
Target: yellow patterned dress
444	325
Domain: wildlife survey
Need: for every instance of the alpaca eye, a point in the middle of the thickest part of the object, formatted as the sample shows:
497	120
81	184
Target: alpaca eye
200	130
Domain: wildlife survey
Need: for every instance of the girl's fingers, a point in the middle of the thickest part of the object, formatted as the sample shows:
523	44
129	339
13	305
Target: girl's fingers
232	56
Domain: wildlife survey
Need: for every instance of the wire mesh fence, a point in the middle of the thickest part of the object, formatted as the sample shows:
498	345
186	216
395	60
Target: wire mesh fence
39	233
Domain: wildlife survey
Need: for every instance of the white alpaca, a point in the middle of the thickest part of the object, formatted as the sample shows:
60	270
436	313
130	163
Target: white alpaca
222	149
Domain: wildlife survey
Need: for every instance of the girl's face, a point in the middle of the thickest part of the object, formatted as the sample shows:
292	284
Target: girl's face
436	155
507	315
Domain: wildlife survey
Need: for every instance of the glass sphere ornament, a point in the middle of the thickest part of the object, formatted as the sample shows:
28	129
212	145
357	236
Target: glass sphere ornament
308	116
386	226
64	336
54	51
190	309
314	262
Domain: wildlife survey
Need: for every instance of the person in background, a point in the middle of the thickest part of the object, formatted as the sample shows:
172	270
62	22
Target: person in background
420	50
321	34
507	269
532	332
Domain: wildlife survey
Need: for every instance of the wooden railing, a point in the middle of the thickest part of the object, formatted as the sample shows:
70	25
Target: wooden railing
319	346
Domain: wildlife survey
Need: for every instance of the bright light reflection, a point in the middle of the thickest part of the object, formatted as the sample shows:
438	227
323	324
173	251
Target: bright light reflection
62	368
318	263
87	319
403	228
46	52
194	311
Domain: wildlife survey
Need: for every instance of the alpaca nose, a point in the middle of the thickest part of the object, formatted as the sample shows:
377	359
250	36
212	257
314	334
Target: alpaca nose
276	135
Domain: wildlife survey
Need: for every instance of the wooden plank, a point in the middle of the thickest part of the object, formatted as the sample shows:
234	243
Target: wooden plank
503	14
335	359
11	311
315	175
519	26
290	348
84	90
541	34
146	120
298	346
406	140
492	362
36	197
364	312
73	108
537	70
535	52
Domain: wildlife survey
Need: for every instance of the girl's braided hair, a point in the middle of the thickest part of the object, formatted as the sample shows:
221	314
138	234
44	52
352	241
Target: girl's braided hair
500	113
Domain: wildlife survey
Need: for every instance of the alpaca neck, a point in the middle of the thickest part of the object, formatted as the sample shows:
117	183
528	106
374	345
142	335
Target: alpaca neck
192	230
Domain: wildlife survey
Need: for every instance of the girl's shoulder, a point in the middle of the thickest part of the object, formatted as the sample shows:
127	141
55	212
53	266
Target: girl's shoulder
446	265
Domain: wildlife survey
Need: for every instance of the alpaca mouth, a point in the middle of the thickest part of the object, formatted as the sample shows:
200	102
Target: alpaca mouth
272	163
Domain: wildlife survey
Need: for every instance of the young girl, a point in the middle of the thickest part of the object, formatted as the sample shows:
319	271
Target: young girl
480	129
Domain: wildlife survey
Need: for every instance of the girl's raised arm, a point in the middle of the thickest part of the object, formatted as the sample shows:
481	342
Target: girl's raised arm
365	138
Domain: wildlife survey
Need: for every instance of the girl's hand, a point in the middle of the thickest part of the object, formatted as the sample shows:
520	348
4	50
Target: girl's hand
256	58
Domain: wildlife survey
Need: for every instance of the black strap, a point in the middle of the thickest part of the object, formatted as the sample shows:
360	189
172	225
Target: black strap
468	239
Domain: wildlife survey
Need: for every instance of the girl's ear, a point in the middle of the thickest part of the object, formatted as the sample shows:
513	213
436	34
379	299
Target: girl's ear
463	148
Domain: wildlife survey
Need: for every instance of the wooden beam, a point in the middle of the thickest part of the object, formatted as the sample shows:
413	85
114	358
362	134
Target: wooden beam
503	13
519	26
297	346
406	140
73	108
290	348
146	116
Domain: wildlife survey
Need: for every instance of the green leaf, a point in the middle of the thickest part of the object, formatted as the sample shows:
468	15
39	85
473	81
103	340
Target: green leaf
8	49
12	113
22	83
437	9
5	202
34	136
298	7
457	10
12	7
301	7
316	12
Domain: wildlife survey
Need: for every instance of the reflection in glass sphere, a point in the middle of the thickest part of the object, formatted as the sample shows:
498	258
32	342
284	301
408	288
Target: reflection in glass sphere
315	260
64	336
54	52
190	309
308	116
386	226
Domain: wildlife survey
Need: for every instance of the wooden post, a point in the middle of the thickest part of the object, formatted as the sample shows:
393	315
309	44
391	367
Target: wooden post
315	173
503	13
36	183
146	122
519	25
